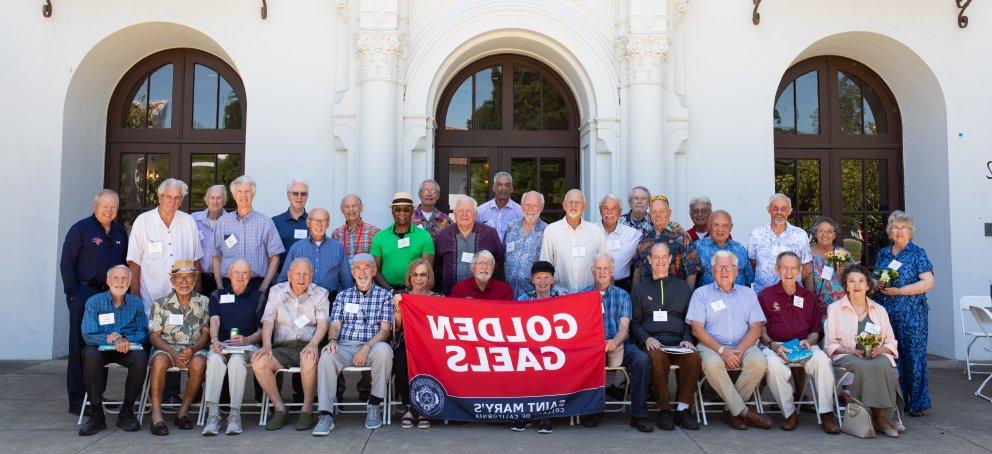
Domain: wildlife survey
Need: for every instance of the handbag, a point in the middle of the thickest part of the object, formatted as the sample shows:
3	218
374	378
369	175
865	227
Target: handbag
857	420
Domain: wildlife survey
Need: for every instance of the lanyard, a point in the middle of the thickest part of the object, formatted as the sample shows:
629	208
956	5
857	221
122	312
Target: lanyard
358	237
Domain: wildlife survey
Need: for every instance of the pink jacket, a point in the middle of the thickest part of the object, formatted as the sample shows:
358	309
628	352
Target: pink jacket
842	327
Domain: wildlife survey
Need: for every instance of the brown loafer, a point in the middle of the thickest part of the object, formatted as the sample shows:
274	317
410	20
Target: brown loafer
829	423
758	420
735	422
791	422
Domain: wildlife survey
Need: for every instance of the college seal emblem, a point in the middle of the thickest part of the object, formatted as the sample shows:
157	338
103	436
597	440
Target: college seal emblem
427	395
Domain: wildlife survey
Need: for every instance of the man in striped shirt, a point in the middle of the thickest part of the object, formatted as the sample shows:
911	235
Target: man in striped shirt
356	235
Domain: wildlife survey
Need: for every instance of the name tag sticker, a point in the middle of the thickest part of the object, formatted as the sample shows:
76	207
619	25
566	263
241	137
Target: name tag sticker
199	235
872	328
155	247
895	265
827	273
405	242
351	308
299	234
106	319
660	316
467	257
421	226
175	319
231	241
511	246
301	321
578	251
614	244
797	301
225	299
718	305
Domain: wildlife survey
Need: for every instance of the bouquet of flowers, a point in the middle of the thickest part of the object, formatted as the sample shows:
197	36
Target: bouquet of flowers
867	341
837	258
886	276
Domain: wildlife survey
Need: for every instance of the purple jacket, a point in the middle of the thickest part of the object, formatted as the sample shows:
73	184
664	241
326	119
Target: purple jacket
445	251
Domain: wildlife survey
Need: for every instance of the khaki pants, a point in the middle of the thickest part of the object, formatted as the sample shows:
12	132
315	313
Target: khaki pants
380	359
734	394
235	367
819	367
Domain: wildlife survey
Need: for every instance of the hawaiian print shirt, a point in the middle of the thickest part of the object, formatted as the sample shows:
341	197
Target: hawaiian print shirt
179	326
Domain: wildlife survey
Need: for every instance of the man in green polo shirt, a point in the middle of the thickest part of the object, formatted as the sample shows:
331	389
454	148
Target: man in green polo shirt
394	247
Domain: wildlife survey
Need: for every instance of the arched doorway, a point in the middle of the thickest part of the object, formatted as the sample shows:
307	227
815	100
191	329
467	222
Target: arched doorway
507	113
838	149
178	113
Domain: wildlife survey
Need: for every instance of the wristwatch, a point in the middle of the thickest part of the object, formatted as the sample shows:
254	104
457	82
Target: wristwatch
720	351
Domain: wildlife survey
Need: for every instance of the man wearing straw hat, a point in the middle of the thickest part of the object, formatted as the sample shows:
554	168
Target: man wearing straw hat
396	246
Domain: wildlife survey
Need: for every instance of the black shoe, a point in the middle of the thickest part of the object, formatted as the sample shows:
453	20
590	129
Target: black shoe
75	409
915	413
641	424
665	421
519	426
591	420
126	419
545	427
174	400
94	424
686	420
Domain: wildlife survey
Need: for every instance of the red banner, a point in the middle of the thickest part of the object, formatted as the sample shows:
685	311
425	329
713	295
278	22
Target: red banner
481	360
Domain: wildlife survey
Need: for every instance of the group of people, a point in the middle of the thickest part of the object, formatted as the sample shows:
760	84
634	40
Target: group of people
214	293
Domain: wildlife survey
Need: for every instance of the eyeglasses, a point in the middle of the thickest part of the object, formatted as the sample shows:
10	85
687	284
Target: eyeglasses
319	221
299	194
573	202
430	191
403	209
725	267
702	211
902	228
418	275
186	279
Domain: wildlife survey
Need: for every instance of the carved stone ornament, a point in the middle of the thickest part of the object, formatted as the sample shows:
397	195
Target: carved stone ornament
680	7
378	54
644	56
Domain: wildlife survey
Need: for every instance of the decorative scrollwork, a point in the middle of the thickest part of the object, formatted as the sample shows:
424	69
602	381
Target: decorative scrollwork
265	10
756	16
46	9
962	6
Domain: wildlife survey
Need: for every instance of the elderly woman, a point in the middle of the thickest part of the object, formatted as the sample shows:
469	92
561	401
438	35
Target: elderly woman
876	380
419	281
905	298
825	281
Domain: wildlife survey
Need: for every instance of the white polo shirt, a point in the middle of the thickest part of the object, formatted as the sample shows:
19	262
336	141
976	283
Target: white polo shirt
155	247
572	252
622	244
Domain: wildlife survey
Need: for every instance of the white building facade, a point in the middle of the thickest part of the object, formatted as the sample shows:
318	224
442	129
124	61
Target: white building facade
686	97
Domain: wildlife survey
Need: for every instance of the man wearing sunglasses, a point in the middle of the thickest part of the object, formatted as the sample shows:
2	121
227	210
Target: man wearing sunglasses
396	246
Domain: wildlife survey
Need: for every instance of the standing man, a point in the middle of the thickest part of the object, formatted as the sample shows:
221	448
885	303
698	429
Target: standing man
215	198
700	209
249	235
501	210
427	216
326	255
159	238
396	246
621	239
660	306
685	260
726	321
455	246
637	217
292	225
523	243
356	235
720	225
774	238
794	313
92	247
571	244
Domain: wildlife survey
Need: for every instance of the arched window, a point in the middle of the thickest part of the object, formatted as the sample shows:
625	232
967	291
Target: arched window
838	149
176	114
507	113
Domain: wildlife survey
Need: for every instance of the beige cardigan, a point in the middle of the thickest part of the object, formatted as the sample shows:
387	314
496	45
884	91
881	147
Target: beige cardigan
842	327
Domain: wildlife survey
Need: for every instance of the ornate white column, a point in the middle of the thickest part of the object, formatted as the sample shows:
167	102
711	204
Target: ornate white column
643	59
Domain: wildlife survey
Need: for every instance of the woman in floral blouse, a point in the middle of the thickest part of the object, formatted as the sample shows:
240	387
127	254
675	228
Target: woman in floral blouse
825	281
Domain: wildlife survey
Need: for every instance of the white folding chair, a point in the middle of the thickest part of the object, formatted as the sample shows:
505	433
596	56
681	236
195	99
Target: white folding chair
341	407
264	418
967	303
653	406
107	405
202	416
808	390
984	318
146	406
613	406
703	404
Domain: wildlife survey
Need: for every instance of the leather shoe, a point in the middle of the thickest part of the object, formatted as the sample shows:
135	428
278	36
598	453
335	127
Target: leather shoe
735	422
126	419
641	424
94	424
791	422
184	422
758	420
829	423
590	421
686	420
665	420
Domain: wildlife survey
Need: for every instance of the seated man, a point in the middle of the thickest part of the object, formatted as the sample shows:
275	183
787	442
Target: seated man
361	321
726	320
178	333
619	352
659	308
115	318
793	313
481	285
294	323
542	276
235	321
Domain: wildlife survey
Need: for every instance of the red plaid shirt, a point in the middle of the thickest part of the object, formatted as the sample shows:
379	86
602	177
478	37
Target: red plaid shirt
357	240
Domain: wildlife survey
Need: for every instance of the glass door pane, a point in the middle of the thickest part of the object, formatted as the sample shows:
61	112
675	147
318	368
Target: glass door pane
468	176
803	180
139	177
866	205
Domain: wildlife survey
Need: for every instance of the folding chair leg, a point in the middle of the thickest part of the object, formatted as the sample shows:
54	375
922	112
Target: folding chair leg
143	401
264	418
811	388
86	400
978	392
702	403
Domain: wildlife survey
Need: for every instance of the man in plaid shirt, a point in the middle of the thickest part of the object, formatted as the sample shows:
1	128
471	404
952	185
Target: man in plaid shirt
356	235
361	321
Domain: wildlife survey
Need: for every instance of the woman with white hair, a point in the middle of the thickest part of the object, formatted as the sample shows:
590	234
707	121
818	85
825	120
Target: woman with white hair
905	276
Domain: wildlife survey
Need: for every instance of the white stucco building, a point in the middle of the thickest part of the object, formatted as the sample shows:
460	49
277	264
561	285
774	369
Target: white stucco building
686	97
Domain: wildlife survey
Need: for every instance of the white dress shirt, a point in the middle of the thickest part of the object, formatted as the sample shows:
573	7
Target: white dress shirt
622	244
155	247
572	252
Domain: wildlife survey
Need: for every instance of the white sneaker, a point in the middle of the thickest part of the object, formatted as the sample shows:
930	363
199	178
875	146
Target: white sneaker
234	423
212	427
324	425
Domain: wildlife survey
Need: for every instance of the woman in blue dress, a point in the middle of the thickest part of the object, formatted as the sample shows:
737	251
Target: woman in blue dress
905	299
